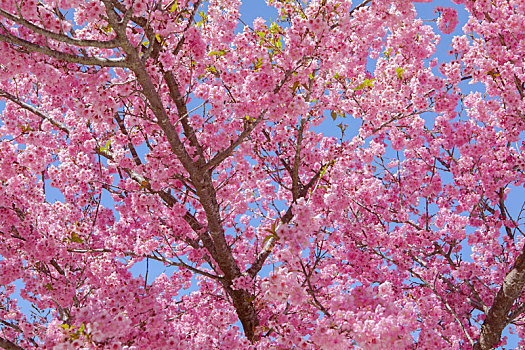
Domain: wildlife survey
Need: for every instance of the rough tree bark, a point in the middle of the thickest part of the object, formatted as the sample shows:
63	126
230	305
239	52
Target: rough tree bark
497	318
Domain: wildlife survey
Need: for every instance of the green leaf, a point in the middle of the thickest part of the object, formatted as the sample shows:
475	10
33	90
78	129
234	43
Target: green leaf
144	184
25	128
323	171
399	72
295	86
65	325
49	286
174	7
274	28
493	73
268	237
212	69
106	147
258	64
75	238
159	39
275	224
366	83
218	53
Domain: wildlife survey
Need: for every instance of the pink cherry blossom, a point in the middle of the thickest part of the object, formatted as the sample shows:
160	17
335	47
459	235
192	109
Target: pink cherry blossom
448	19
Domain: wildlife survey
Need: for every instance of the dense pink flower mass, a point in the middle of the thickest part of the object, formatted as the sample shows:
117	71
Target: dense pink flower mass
448	20
170	133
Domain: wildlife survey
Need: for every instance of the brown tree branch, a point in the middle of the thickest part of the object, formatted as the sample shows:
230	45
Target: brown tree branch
221	156
34	110
9	345
182	111
497	318
201	179
110	44
63	56
287	217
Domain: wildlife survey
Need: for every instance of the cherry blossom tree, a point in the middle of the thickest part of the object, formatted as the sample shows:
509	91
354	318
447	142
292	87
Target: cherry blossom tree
171	132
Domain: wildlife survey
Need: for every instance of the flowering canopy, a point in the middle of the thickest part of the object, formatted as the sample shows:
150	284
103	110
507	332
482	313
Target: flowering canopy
170	131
